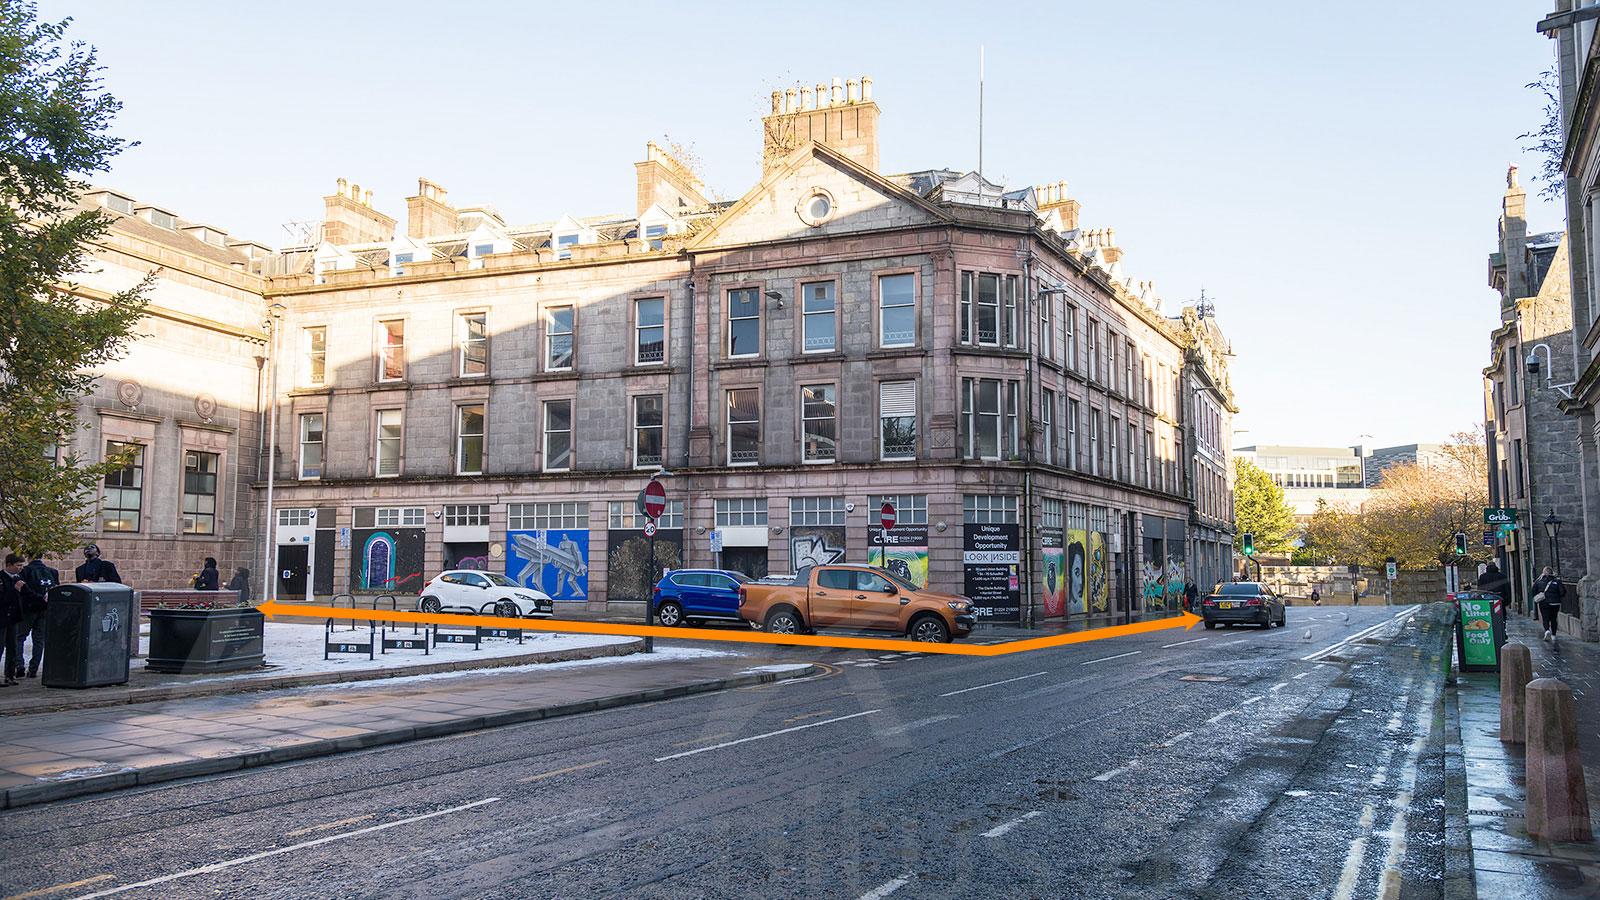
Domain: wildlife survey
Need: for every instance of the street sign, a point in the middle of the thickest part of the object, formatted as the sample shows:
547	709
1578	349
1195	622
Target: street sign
716	541
653	500
1488	538
1452	579
1390	571
650	529
886	516
1499	515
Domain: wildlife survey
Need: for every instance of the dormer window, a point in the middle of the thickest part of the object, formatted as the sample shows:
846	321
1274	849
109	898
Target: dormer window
399	262
119	204
654	234
483	250
564	245
163	219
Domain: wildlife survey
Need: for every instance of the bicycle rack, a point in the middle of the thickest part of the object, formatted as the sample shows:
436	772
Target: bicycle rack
404	643
335	604
473	637
331	646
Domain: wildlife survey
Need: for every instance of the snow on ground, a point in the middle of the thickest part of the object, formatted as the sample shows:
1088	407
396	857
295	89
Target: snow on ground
661	654
294	649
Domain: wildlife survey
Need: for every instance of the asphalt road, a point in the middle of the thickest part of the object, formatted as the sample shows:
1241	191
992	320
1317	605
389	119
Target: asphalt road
1176	764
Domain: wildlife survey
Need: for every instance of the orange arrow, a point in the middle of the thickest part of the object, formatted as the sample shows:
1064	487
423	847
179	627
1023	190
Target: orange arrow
273	609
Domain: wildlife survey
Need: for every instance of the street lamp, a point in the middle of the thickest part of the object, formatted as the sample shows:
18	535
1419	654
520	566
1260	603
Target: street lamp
1552	530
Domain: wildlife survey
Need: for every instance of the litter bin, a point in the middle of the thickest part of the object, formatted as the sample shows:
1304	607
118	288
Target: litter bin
1480	630
86	635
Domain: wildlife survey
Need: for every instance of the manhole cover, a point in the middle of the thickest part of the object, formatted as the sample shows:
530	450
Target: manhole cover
1203	678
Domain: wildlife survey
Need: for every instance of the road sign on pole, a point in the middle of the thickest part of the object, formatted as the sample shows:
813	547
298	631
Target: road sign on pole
650	529
887	516
1390	570
654	499
716	541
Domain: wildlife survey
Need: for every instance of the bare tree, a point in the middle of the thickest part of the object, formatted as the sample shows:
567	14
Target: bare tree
1549	141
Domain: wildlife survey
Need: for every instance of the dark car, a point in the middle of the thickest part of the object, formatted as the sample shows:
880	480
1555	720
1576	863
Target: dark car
1244	603
696	594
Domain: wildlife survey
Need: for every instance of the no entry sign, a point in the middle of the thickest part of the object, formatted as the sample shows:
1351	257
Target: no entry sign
655	499
886	516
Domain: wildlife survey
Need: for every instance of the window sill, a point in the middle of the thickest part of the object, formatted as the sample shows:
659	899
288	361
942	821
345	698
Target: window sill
742	362
819	357
318	390
559	375
895	352
974	350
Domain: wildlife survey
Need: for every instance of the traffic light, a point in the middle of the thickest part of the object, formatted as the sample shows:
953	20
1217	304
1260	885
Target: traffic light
1461	543
1248	544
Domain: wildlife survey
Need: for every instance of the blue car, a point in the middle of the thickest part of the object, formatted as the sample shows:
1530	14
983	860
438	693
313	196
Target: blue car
694	594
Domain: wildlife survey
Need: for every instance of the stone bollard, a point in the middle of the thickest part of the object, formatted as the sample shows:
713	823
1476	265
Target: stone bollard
1516	668
1558	802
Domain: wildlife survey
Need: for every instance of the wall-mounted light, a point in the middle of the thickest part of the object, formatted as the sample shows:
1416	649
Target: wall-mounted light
776	298
437	513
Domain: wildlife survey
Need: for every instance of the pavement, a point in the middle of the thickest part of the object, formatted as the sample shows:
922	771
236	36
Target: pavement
1305	761
1506	860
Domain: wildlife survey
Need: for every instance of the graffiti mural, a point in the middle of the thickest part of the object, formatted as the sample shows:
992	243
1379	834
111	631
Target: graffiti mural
1052	572
1099	570
1077	570
626	552
554	560
815	545
386	560
902	550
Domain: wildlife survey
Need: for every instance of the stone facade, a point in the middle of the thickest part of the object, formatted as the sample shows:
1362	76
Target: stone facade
1531	443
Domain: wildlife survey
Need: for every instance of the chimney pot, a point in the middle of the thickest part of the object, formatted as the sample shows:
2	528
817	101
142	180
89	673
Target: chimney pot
822	96
805	98
866	88
343	187
355	192
366	199
852	91
838	92
791	100
777	102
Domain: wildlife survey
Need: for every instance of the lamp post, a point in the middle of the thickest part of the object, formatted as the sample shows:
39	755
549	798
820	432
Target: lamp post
269	563
1552	530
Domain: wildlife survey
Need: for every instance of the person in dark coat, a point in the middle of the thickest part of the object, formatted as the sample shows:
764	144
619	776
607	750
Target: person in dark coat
240	584
1495	583
10	616
37	580
1190	595
209	578
96	569
1548	592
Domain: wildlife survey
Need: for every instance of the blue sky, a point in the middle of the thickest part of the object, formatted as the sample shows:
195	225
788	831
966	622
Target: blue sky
1329	173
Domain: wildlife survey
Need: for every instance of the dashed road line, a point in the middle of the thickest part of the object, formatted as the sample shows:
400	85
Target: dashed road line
991	684
758	737
887	888
1256	699
918	723
1176	738
1002	829
1278	687
1221	715
1301	675
1181	643
1107	776
1105	658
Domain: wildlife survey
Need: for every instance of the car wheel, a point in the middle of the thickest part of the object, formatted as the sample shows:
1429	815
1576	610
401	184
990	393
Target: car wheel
430	605
929	630
784	621
1211	625
670	614
507	609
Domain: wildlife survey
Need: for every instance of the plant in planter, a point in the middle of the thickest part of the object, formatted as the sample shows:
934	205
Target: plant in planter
205	636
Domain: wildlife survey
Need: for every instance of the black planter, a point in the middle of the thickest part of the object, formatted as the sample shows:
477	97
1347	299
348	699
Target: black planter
193	641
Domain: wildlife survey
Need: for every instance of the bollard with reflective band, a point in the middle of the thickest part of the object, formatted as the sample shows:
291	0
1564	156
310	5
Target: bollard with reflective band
1516	667
1558	802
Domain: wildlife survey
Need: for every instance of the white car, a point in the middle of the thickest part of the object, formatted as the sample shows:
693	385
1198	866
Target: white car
488	593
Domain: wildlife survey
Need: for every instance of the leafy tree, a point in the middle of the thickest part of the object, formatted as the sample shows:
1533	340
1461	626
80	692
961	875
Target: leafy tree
1549	140
55	117
1259	508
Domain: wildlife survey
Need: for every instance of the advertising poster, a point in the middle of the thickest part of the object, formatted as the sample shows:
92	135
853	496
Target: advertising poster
903	550
627	577
1077	570
1052	572
991	560
815	545
554	560
1099	573
386	560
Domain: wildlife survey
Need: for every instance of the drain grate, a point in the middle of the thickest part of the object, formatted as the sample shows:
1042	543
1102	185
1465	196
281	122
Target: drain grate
1203	678
1497	813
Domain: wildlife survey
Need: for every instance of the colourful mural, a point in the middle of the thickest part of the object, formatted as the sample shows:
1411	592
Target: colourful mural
1052	572
1099	570
1077	570
554	560
903	551
386	560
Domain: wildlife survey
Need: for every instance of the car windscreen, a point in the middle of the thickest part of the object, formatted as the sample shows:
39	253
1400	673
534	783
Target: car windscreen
1242	589
498	579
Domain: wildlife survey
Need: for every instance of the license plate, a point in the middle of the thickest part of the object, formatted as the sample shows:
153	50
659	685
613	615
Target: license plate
1227	604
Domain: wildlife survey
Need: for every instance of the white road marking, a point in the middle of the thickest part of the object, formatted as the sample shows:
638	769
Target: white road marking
1176	738
1278	687
1221	715
991	684
919	723
279	851
1002	829
892	656
1256	699
1104	658
1181	643
1335	647
887	888
1301	675
757	737
1107	776
1239	641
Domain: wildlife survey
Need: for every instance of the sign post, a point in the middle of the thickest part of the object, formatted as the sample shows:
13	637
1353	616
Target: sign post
652	502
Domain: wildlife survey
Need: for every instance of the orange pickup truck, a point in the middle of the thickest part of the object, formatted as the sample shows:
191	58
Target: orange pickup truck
855	597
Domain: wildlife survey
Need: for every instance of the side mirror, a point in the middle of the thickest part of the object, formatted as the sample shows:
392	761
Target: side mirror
892	590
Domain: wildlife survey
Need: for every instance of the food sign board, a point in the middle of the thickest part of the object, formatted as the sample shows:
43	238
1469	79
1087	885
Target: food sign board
1475	633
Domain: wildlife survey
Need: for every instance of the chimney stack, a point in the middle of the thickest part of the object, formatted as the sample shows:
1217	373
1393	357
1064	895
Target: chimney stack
428	215
348	217
662	179
840	114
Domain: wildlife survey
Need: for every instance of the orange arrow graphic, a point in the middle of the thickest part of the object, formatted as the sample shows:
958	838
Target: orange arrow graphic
273	609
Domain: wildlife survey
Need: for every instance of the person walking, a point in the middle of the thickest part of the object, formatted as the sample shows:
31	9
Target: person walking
37	580
1190	595
10	618
1548	592
1355	594
1495	583
209	578
1316	596
97	569
240	584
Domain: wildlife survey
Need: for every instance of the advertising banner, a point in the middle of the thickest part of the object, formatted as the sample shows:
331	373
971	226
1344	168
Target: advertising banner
815	545
1475	633
991	562
1052	572
554	560
386	560
1077	570
1099	573
627	577
902	550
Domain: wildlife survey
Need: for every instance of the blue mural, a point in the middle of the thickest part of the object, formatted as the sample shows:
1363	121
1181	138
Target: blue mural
554	560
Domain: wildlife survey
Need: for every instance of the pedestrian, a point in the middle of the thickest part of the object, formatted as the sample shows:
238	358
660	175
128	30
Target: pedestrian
1355	594
1548	592
240	584
209	578
96	568
1316	596
37	580
1492	581
10	617
1190	595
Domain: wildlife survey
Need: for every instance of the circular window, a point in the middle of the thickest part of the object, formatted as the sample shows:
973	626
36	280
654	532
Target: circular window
816	208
